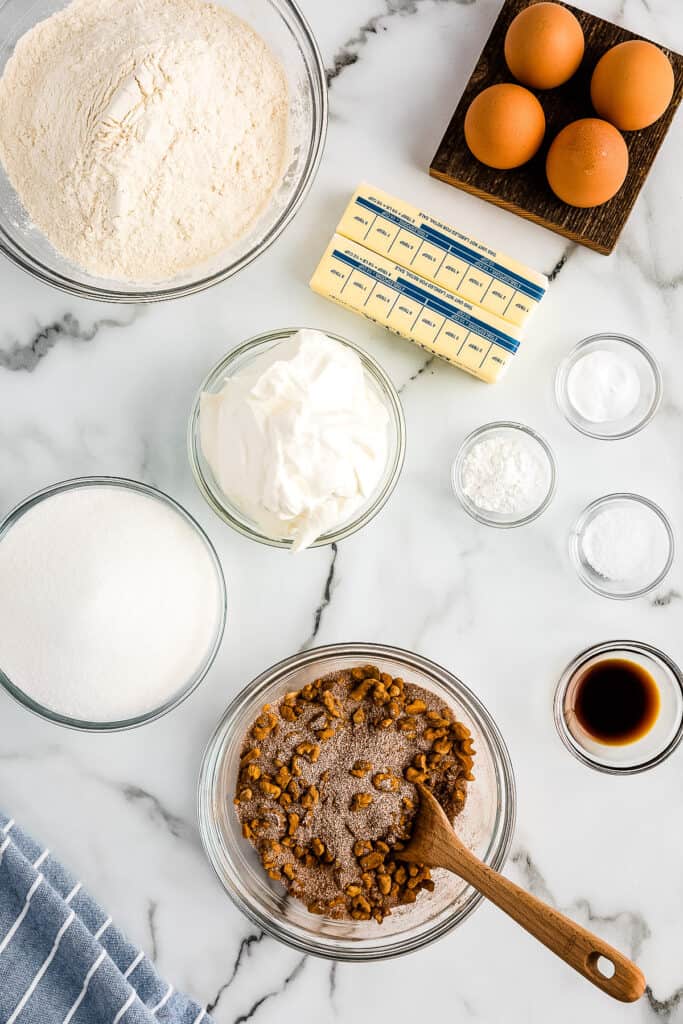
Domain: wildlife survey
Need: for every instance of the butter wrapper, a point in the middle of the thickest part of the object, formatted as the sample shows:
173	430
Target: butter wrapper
443	255
399	299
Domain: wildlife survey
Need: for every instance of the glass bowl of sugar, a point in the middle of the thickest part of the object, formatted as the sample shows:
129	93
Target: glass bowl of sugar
113	604
622	546
504	474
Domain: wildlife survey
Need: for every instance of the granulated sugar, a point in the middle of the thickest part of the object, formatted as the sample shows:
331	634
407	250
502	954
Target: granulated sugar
109	603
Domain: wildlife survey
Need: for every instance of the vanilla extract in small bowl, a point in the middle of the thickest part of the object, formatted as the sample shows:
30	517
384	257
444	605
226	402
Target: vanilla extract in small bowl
616	701
619	707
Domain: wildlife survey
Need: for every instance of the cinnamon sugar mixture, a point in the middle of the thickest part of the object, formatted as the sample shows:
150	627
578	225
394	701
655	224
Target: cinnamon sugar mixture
326	790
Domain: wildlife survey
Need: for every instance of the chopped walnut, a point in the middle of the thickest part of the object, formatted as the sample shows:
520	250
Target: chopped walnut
326	788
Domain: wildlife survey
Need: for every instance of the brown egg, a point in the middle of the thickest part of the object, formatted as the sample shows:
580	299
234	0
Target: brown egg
632	85
587	163
504	126
544	45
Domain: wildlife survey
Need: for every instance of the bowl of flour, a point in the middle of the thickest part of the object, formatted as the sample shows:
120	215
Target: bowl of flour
152	148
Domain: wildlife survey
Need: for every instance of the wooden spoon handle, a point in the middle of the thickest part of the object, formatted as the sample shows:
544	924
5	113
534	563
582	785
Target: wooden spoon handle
575	945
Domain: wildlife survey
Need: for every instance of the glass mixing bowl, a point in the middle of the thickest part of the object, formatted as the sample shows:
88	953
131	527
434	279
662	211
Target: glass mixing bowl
287	33
235	362
485	825
205	658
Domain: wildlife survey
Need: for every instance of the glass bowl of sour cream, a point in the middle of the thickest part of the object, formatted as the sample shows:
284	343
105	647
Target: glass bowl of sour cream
608	386
297	456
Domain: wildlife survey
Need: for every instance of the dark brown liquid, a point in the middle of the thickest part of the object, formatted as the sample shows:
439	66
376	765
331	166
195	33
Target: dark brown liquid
616	701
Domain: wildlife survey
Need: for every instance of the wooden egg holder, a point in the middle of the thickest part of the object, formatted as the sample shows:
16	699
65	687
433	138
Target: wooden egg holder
525	190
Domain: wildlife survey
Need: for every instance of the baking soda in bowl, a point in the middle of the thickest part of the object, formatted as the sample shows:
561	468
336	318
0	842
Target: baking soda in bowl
112	603
603	386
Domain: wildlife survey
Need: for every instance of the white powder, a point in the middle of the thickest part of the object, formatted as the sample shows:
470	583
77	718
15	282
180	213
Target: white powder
109	603
143	136
507	475
603	387
626	543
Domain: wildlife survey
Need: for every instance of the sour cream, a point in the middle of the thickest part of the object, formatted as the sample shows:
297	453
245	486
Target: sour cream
299	440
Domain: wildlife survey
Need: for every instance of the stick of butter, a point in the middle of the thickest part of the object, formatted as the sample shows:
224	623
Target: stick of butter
443	324
439	253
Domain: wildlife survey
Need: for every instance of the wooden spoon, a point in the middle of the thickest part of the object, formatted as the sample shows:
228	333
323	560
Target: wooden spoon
435	844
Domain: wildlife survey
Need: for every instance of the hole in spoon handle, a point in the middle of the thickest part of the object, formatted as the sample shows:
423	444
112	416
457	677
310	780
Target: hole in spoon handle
602	965
616	975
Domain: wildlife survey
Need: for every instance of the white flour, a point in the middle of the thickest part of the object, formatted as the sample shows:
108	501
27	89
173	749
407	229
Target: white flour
109	603
505	475
143	136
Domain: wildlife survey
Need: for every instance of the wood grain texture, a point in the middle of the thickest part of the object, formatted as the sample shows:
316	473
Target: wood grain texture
435	844
524	190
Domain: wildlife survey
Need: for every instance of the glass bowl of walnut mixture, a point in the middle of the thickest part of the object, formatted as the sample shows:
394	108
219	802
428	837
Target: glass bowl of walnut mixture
307	790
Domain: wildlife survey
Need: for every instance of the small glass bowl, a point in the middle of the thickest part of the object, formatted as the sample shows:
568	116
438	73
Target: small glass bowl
486	824
619	590
235	362
657	744
283	27
502	429
221	611
649	374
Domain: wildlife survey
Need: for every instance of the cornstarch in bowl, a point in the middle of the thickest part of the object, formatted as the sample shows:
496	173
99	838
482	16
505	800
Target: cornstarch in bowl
112	604
504	474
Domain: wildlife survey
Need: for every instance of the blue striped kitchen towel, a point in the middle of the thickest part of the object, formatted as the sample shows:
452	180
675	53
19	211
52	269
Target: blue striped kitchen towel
62	961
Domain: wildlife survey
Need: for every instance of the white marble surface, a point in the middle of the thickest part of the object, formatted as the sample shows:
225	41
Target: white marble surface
86	388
